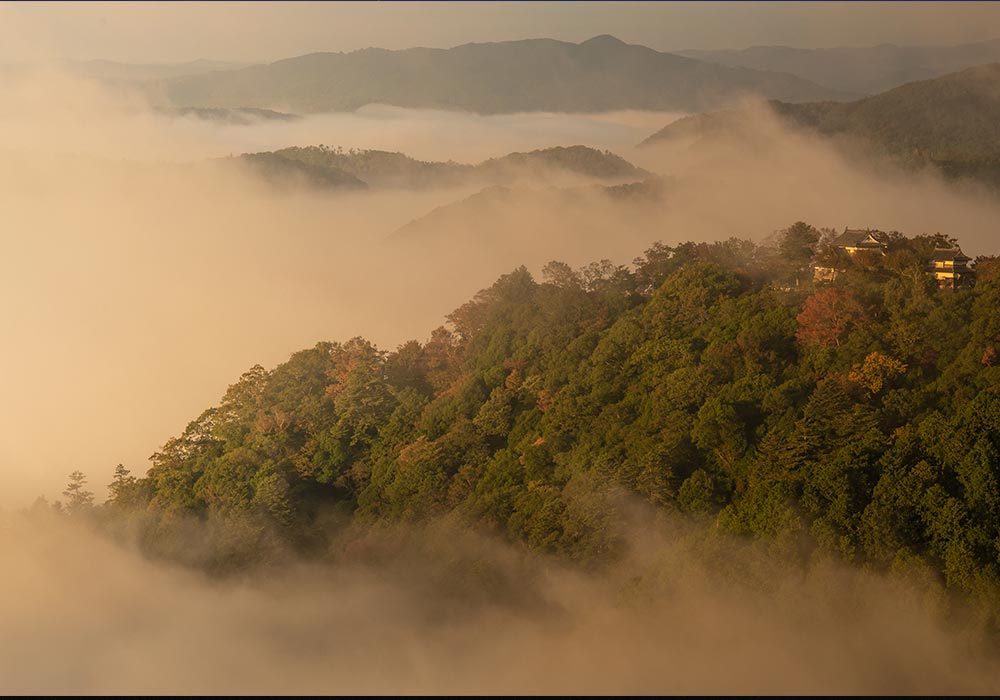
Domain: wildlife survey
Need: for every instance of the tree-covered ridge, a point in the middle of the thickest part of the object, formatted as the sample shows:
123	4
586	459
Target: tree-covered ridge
589	162
390	169
952	118
281	172
861	418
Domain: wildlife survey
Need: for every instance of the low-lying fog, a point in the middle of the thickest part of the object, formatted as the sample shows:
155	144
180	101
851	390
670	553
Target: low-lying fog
447	612
138	280
84	116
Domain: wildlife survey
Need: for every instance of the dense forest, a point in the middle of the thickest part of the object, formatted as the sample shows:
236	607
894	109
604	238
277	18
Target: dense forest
860	418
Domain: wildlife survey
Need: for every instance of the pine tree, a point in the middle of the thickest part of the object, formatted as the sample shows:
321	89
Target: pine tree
77	499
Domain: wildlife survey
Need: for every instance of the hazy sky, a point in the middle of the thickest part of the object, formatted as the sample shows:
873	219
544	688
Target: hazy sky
260	31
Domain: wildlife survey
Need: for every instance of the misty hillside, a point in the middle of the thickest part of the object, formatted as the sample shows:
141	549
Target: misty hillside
861	70
859	421
387	169
520	217
118	71
242	116
600	74
588	162
952	122
289	173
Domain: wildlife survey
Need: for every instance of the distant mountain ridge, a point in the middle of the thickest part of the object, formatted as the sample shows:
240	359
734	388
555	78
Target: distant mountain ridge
600	74
863	70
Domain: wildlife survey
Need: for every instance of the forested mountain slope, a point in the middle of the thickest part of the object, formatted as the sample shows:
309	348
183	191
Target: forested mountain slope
860	419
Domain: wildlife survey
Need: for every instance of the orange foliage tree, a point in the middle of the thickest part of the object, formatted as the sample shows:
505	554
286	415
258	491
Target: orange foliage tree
876	371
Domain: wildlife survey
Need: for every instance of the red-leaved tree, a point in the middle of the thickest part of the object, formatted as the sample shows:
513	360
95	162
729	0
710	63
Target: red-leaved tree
827	316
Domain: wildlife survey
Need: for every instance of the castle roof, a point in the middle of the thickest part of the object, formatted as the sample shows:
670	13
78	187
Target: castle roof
860	238
946	254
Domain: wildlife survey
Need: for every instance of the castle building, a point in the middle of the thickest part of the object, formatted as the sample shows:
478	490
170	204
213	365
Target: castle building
950	267
845	247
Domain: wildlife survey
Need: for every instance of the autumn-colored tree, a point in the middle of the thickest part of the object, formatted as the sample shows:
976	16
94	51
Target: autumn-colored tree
989	357
827	316
876	371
